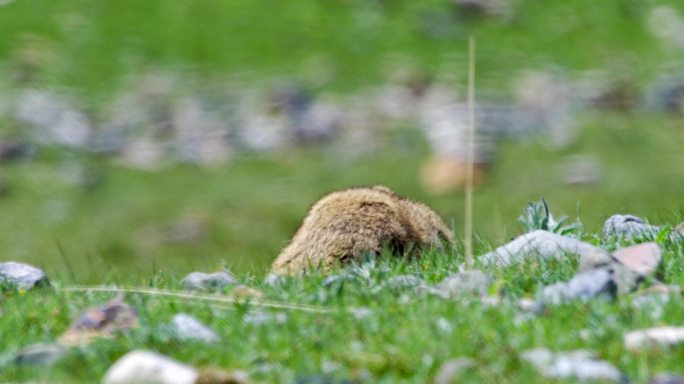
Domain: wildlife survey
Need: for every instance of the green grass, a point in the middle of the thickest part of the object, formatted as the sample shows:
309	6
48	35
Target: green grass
92	47
405	337
103	234
250	209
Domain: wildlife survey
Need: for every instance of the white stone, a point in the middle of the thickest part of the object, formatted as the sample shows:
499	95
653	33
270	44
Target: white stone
654	337
579	364
539	243
145	367
188	328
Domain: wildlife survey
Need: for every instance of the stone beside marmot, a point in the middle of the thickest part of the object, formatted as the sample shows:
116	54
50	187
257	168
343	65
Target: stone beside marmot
346	225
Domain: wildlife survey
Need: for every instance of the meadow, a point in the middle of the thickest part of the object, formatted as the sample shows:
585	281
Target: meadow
148	229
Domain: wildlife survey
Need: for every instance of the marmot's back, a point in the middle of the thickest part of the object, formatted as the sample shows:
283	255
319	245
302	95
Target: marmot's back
345	225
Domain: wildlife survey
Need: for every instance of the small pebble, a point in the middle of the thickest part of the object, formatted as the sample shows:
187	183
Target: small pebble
188	328
460	284
22	276
450	371
579	364
667	378
208	281
44	354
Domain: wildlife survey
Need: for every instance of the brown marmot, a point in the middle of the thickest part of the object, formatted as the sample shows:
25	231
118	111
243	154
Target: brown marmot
348	224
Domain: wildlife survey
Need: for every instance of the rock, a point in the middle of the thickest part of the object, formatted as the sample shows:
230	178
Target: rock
654	337
641	258
450	371
273	280
187	328
260	318
208	281
100	322
22	276
360	313
679	230
625	279
657	292
579	364
44	354
200	134
402	283
667	94
469	283
145	367
55	120
597	258
11	150
144	153
627	226
583	286
541	244
628	266
665	23
667	378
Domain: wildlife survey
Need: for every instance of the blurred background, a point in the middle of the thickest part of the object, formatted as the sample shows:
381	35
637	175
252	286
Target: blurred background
158	135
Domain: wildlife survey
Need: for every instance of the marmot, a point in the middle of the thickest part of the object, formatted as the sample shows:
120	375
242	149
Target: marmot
348	224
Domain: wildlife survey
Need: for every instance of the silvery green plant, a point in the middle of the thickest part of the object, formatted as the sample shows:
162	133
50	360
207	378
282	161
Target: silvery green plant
537	216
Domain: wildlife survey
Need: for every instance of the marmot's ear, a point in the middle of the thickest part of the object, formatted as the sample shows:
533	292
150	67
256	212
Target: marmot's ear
382	188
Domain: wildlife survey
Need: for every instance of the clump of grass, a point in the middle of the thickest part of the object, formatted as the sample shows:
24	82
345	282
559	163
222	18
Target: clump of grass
537	216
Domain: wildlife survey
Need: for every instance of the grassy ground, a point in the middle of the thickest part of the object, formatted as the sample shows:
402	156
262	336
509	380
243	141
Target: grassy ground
100	232
398	336
91	48
246	212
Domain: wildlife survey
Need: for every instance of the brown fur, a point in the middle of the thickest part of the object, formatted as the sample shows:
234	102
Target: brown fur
346	225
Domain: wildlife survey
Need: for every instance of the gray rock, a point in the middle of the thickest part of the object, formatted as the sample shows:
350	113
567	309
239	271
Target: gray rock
584	286
44	354
259	318
625	279
597	258
404	283
628	266
473	283
450	371
540	244
656	295
667	378
11	150
22	276
679	230
273	280
54	119
579	364
145	367
654	337
187	328
628	227
208	281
